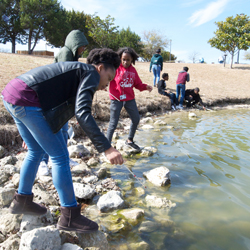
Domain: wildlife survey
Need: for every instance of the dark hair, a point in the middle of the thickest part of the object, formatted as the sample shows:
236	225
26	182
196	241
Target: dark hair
185	68
130	51
197	89
108	57
164	75
158	51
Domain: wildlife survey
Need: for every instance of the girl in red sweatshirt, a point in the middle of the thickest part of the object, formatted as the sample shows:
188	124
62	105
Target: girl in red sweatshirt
122	94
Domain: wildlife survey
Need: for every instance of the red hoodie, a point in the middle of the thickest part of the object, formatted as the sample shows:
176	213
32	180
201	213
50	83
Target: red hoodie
124	82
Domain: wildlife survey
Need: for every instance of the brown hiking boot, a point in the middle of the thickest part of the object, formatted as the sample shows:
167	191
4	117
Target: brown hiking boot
72	220
23	204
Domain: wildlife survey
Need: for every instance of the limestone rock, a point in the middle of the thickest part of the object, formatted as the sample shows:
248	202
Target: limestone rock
139	246
90	179
41	238
139	191
2	151
72	142
152	149
148	114
146	120
160	123
116	136
101	173
77	151
82	168
16	179
158	176
42	195
6	196
132	215
9	160
192	115
3	177
153	201
9	222
96	239
110	201
148	226
110	184
12	243
120	144
69	246
30	222
145	152
93	162
83	191
147	126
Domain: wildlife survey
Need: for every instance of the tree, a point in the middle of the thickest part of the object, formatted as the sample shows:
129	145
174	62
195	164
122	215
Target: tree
232	35
247	56
10	25
127	38
65	21
166	56
103	32
153	40
36	14
194	56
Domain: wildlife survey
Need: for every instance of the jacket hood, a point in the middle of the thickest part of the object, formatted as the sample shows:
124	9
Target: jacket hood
157	55
74	40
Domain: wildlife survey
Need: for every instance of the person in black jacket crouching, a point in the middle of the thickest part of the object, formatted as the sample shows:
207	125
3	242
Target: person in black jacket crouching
192	97
163	91
41	101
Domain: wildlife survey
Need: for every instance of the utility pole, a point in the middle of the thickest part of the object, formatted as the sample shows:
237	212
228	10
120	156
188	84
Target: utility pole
170	51
225	55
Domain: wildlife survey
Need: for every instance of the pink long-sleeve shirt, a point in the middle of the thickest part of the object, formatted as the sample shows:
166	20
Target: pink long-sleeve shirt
124	82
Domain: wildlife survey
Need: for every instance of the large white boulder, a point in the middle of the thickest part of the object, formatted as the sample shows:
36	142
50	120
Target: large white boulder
158	176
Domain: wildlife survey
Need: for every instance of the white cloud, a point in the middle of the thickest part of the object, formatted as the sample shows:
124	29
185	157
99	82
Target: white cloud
207	14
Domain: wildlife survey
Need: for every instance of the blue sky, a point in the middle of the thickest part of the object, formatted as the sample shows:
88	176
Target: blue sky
188	23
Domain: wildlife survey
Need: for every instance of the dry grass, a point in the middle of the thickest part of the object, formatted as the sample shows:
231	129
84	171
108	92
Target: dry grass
217	84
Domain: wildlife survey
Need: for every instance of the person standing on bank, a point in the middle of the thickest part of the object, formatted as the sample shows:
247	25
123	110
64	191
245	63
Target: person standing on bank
75	44
183	77
156	65
122	94
40	102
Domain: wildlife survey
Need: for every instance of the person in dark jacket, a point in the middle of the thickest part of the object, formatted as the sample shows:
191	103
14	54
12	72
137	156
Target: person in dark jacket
156	65
192	97
75	44
183	77
163	91
40	102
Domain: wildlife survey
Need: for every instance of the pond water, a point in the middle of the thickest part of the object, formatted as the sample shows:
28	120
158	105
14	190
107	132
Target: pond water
210	172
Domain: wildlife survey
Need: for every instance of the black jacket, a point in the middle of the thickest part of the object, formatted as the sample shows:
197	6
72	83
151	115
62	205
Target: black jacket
162	87
196	97
66	89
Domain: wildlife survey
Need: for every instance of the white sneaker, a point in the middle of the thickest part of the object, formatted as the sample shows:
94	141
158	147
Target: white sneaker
173	107
43	169
73	163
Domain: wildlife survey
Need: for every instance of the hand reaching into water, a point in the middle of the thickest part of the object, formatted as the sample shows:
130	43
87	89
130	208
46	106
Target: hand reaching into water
114	156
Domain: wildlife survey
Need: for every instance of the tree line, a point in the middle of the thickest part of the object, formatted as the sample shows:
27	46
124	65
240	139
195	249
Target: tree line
28	21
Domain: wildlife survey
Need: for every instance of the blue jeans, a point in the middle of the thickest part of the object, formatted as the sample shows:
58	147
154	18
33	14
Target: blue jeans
156	71
40	139
65	135
180	89
115	110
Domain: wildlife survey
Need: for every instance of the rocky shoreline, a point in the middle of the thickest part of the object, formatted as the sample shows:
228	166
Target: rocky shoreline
101	196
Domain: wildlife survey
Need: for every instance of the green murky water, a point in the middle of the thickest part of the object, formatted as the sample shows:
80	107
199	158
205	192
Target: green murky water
209	162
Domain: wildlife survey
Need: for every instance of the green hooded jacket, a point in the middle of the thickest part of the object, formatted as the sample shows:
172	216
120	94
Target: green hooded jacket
74	40
156	59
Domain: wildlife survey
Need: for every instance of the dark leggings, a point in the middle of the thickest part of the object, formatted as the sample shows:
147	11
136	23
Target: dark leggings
115	110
